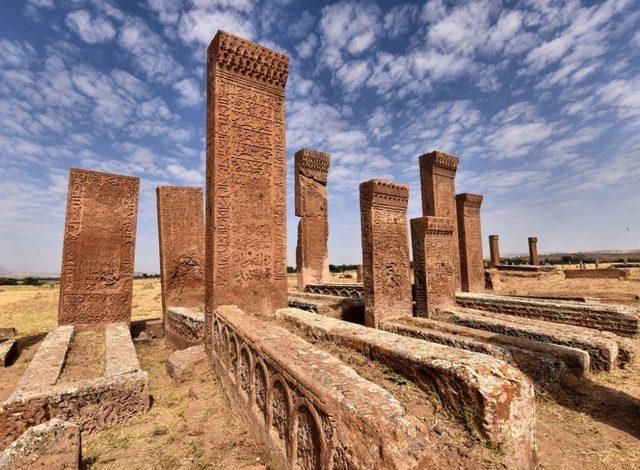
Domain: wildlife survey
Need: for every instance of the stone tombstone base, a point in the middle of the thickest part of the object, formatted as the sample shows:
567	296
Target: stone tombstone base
92	404
621	320
310	409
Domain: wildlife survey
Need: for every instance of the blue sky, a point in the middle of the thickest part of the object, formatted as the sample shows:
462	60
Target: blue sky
540	99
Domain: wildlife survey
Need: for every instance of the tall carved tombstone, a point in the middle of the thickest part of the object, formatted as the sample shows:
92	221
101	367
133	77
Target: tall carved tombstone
96	282
181	237
433	271
245	253
533	251
438	186
494	250
385	251
470	242
311	169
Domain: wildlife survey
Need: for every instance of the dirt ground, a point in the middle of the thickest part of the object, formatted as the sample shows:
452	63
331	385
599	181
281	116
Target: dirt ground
585	424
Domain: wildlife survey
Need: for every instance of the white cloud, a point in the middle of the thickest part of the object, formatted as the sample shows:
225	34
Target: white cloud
348	29
149	51
91	30
15	53
190	94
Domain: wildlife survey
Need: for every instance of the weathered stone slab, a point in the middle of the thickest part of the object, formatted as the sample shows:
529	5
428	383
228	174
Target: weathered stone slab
603	352
499	398
91	404
183	327
617	319
181	242
355	291
310	175
182	361
533	251
626	347
120	354
575	360
96	283
438	188
311	409
246	254
433	266
494	250
385	251
470	242
54	445
596	274
46	365
8	351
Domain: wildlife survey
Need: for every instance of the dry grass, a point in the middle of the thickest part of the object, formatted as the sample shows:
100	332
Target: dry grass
190	426
33	310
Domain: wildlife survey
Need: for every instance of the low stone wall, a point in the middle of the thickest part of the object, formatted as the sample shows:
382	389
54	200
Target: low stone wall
596	274
92	404
526	268
544	361
497	397
183	327
310	409
355	291
344	308
603	352
52	445
615	318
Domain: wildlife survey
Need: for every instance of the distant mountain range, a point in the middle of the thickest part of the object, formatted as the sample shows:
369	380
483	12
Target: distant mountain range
4	272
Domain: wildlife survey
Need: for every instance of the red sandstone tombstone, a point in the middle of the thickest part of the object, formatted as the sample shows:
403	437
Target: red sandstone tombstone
181	237
494	250
246	262
385	251
359	274
311	169
96	282
533	251
434	274
438	187
470	242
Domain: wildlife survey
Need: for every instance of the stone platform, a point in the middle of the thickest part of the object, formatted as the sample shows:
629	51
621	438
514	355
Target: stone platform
92	404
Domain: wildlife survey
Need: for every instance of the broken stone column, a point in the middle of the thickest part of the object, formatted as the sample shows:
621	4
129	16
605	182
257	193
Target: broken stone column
96	283
470	242
533	251
434	274
311	169
494	250
438	186
246	240
385	251
181	237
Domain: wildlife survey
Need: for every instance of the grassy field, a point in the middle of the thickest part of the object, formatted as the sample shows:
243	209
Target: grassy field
34	309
